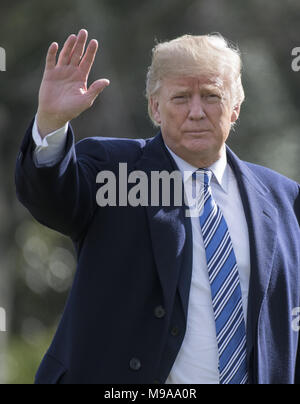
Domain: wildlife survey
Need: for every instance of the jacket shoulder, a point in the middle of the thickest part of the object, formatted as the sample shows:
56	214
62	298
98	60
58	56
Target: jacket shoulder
111	149
273	180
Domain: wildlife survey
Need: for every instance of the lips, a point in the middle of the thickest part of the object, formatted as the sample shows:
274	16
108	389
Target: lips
196	132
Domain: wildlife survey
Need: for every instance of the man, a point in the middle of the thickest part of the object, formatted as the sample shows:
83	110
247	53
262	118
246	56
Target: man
159	296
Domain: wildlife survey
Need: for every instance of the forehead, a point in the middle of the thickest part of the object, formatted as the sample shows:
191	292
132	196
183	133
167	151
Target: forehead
190	82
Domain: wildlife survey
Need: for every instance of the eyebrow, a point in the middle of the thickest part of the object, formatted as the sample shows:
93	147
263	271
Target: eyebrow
205	87
211	87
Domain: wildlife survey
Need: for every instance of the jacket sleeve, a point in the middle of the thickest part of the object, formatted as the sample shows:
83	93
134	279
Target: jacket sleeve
61	196
297	370
297	205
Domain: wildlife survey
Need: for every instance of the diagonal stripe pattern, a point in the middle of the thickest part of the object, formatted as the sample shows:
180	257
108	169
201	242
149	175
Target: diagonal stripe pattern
225	288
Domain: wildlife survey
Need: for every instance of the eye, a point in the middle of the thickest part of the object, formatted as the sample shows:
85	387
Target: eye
180	98
213	97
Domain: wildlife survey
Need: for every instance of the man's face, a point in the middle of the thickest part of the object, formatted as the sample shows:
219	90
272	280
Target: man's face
195	115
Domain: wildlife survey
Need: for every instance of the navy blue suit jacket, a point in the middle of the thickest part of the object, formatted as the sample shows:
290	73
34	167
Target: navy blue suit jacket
133	261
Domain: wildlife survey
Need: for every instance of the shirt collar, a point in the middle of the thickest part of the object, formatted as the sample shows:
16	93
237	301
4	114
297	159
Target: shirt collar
219	169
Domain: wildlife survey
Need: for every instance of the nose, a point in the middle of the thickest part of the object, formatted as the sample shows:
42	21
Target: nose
197	111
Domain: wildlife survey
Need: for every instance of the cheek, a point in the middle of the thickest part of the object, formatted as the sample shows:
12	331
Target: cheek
224	130
221	120
173	118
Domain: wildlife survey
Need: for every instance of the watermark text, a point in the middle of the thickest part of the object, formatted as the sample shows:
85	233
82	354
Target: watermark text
2	60
296	319
296	60
2	320
157	189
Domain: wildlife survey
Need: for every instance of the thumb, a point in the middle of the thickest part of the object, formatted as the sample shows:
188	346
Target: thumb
96	88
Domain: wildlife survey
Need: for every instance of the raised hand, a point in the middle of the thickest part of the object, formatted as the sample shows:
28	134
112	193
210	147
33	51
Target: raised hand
64	94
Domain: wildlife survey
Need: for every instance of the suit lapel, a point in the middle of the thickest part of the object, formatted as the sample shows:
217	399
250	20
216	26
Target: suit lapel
171	234
169	229
262	218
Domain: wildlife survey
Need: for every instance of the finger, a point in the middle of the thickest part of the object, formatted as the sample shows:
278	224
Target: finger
89	57
51	56
96	88
65	54
78	49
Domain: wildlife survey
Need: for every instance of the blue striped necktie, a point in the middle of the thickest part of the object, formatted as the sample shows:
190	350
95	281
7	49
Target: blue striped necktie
225	288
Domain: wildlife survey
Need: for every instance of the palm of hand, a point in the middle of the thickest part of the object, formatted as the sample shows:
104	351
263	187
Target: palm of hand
64	94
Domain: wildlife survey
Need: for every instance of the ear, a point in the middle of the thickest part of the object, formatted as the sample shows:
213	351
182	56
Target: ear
235	113
154	104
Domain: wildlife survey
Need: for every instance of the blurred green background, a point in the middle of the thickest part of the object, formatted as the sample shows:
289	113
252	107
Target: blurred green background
36	264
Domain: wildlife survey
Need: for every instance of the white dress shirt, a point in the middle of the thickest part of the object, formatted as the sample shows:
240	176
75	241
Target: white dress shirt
197	360
50	149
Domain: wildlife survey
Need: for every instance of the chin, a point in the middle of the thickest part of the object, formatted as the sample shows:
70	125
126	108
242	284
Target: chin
200	146
201	153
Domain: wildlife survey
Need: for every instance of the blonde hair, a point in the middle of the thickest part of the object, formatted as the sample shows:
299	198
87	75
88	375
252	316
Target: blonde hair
189	55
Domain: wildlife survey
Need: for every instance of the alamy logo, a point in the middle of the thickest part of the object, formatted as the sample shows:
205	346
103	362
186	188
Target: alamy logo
296	60
2	60
296	319
159	188
2	320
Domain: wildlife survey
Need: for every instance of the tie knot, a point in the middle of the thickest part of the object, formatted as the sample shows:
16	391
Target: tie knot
204	176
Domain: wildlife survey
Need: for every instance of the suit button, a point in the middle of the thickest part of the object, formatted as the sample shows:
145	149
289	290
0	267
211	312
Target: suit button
159	312
175	331
135	364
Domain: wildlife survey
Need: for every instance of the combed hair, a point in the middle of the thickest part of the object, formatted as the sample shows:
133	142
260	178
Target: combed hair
189	55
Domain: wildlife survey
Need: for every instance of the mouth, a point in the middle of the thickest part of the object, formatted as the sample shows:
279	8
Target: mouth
197	132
